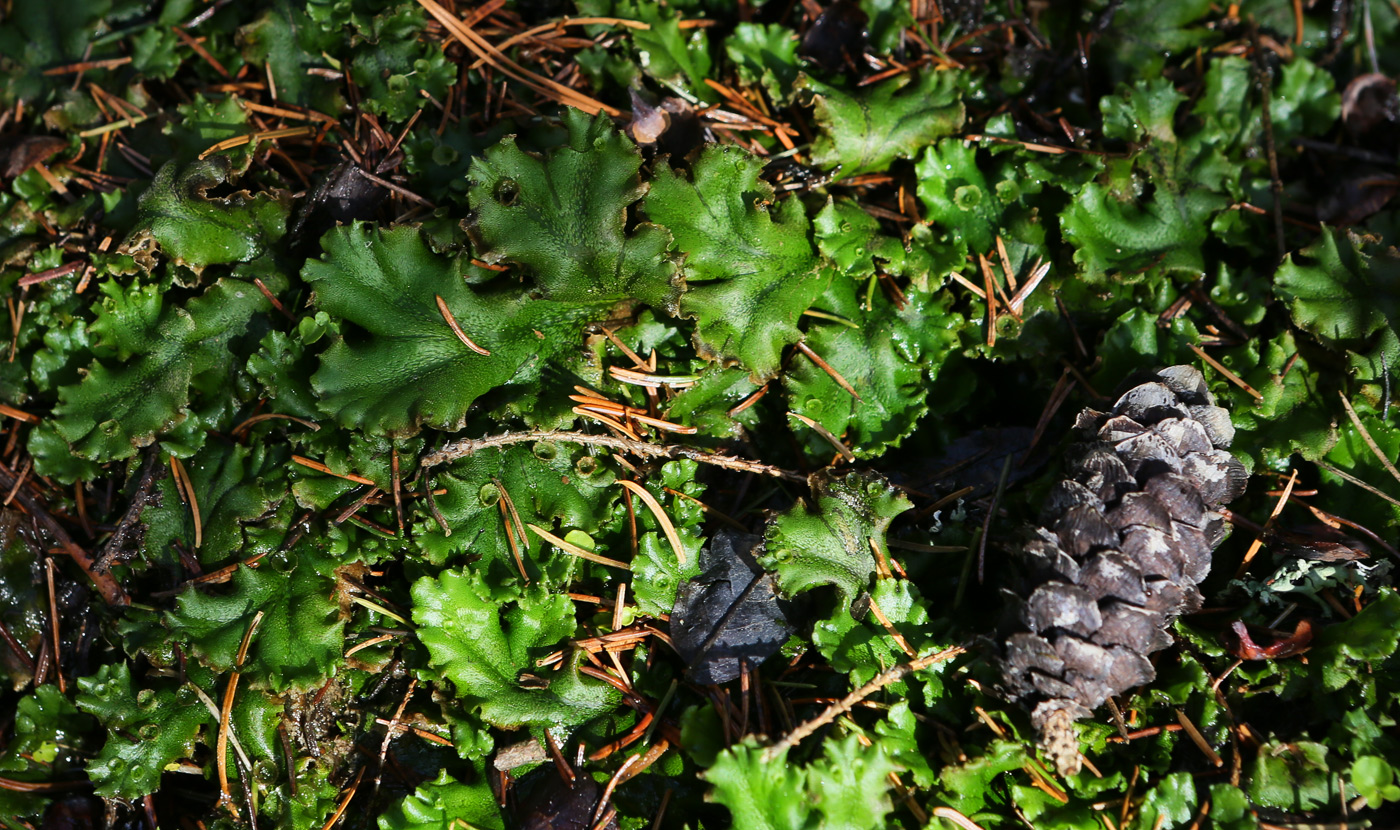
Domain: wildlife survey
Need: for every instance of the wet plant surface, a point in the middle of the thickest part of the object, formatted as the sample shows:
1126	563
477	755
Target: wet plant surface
615	415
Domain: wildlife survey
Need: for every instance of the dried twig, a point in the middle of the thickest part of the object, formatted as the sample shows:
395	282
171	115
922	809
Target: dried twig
467	446
847	703
665	521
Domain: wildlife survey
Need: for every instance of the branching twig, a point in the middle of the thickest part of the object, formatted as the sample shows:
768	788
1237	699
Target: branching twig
849	702
467	446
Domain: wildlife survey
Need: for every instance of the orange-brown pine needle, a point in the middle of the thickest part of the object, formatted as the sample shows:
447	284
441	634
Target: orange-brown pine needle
1259	540
222	744
510	535
345	802
827	434
617	425
826	367
188	487
322	468
266	135
53	622
456	329
18	414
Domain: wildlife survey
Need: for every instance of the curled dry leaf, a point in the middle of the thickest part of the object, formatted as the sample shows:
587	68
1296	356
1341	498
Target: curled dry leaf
1244	646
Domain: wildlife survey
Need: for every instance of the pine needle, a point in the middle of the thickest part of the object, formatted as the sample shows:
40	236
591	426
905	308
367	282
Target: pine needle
570	548
665	521
1229	375
493	56
322	468
826	367
188	487
229	691
1366	436
825	433
266	135
457	329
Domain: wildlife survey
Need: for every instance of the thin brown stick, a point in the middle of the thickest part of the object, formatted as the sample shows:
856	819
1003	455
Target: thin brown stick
849	702
50	274
467	446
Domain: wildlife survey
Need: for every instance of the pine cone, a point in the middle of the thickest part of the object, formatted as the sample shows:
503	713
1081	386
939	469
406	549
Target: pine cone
1122	544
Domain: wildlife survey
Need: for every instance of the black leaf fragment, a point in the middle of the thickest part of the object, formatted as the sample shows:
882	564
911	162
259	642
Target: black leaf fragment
728	614
565	805
1122	544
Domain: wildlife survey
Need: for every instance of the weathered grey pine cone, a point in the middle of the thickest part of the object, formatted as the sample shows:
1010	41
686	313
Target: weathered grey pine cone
1123	542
